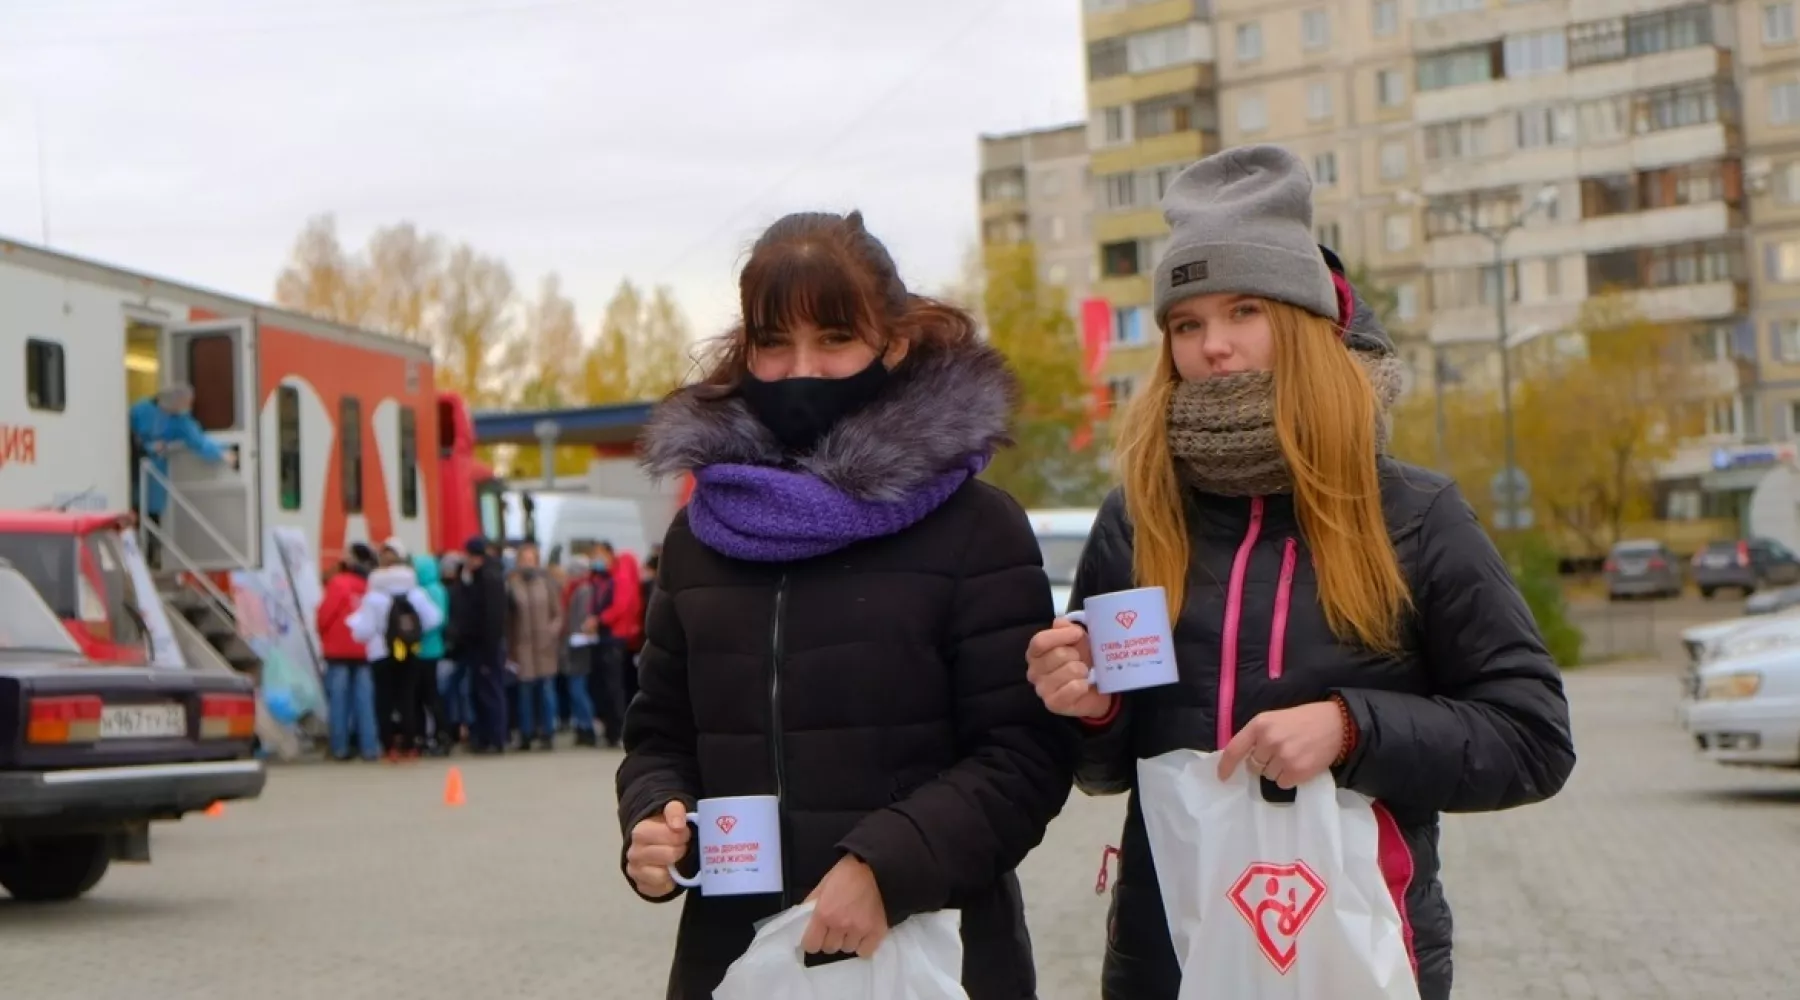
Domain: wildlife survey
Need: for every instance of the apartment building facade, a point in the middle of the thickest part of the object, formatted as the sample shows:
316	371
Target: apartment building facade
1034	187
1152	110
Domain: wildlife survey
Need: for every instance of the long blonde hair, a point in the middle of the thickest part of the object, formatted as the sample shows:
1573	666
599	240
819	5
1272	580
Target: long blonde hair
1325	419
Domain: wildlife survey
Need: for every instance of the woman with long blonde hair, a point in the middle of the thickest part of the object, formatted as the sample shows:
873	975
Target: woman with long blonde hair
1332	608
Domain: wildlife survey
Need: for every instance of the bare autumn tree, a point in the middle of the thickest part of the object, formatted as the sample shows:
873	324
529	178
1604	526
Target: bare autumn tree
473	339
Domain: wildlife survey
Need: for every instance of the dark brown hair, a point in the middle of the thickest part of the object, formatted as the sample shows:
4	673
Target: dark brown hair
827	269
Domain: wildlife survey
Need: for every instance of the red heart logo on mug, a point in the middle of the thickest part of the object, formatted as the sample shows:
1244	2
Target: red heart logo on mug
726	823
1125	618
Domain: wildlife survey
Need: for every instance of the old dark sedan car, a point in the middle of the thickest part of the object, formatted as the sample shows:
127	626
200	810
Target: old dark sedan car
91	755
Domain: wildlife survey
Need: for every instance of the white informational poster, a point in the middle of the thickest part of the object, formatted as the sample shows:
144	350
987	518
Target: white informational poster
292	556
165	651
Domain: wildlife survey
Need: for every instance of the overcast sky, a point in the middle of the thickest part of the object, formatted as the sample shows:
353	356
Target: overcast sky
597	138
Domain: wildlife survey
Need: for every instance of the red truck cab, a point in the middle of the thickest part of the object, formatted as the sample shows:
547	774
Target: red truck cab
469	492
76	560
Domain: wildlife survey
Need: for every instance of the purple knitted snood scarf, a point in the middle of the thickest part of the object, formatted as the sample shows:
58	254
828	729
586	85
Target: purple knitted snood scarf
880	471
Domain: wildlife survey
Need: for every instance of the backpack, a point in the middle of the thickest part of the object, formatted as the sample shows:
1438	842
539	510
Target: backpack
404	629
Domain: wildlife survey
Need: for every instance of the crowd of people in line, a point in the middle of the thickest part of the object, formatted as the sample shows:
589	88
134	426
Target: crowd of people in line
484	648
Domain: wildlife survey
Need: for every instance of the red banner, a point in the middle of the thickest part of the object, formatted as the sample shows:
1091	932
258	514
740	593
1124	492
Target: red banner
1096	334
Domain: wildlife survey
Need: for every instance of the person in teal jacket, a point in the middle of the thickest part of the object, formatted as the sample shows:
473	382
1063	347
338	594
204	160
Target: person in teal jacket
161	426
431	652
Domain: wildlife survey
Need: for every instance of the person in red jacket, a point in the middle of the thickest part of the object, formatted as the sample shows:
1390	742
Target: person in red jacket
349	683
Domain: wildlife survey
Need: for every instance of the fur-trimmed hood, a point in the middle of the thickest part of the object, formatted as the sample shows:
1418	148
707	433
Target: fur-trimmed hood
934	412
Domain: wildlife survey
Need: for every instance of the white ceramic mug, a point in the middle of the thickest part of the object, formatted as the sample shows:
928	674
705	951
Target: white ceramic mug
740	846
1134	648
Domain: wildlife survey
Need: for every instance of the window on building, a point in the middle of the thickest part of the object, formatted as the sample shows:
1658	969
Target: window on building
287	446
1493	209
1778	23
1406	302
1394	163
1249	42
1318	101
1668	30
409	463
1397	232
1252	113
1329	235
1542	127
1608	194
1785	182
1119	260
1784	339
1461	66
1315	29
1722	417
1552	277
1107	58
1597	42
1536	53
1058	229
350	452
1390	88
1176	45
1165	116
1463	139
1130	324
46	376
1439	8
1111	126
1325	170
1161	177
1118	191
1711	343
1690	184
212	370
1384	18
1781	261
1605	119
1678	107
1784	103
1007	184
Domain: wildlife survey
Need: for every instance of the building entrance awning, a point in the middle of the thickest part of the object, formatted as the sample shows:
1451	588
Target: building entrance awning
614	426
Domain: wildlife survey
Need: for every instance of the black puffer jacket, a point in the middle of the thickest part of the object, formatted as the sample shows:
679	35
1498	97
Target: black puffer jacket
1471	716
879	690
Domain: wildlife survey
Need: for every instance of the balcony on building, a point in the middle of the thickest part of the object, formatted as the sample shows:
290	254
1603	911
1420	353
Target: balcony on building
1624	133
1597	213
1690	282
1114	18
1003	197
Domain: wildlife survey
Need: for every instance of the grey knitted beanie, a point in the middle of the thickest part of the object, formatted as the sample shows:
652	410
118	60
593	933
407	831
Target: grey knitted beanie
1240	221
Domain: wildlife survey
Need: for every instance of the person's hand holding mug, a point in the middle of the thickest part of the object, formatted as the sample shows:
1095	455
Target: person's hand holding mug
657	844
1057	663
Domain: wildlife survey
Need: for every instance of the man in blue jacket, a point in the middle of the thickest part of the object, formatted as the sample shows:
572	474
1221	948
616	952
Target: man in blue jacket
160	426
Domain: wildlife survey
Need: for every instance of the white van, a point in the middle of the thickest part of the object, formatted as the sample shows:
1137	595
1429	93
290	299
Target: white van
564	524
1062	534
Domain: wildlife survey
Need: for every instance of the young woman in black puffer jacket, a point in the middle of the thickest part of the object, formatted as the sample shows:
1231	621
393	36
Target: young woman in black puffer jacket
838	620
1333	608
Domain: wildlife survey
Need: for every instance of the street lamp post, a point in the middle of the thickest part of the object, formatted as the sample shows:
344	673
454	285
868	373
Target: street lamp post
1510	480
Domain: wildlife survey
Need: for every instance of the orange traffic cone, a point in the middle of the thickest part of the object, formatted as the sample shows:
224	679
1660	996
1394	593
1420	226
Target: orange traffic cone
215	810
453	788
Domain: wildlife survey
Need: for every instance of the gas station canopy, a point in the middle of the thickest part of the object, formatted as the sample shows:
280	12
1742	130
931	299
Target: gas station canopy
614	426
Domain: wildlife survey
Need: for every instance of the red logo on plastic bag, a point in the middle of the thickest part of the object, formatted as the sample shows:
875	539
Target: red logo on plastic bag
1125	618
1277	901
726	823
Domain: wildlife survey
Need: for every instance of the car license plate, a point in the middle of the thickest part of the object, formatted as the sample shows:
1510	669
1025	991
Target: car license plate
1633	567
134	722
1718	560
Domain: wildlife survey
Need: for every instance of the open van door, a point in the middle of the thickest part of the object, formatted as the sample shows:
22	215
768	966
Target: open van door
219	527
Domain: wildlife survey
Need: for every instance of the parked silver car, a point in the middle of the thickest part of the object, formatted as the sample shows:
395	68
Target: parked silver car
1642	568
1744	565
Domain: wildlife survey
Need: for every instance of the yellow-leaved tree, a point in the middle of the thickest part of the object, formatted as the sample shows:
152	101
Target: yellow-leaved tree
1029	322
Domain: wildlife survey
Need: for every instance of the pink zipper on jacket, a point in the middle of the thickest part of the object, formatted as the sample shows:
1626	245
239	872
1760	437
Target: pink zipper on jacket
1284	591
1234	611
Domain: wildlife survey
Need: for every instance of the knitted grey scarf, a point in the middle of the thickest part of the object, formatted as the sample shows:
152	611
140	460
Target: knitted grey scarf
1222	429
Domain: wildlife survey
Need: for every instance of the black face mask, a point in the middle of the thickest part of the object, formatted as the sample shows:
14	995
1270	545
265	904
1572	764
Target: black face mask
800	411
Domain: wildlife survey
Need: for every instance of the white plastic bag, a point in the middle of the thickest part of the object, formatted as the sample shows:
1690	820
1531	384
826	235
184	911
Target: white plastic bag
919	960
1271	901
